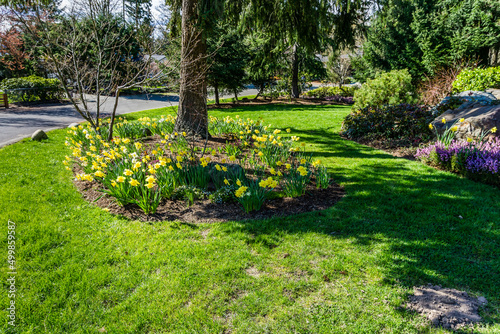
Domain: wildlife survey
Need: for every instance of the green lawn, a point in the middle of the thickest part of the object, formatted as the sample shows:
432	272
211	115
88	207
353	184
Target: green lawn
347	269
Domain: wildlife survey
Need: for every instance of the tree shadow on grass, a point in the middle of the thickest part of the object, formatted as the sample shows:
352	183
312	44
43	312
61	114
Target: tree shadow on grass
437	227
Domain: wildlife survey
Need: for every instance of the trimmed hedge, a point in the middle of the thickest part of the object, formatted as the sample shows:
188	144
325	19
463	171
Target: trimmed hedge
477	79
32	89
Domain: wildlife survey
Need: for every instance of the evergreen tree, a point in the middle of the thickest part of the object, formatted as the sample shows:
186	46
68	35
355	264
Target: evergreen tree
227	60
307	24
426	35
138	12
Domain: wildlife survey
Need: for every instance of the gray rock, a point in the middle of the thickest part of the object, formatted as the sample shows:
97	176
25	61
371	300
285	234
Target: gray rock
73	125
477	95
495	92
39	135
482	301
477	120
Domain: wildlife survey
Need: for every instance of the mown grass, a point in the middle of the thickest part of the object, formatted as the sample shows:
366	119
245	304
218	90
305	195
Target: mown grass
347	269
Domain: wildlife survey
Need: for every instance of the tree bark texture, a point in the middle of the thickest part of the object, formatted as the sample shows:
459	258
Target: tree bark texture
295	73
192	116
216	92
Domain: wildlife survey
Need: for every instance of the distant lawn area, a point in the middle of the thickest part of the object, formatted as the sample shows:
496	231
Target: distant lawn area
348	269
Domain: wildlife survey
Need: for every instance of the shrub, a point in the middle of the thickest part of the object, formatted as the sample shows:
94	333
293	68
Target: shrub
32	88
323	92
403	122
340	99
387	88
477	79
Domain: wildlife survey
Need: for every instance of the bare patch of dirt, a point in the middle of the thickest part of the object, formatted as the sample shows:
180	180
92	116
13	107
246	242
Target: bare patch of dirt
254	272
447	308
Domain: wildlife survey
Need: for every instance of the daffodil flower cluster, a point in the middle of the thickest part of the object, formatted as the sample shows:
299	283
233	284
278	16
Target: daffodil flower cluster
134	172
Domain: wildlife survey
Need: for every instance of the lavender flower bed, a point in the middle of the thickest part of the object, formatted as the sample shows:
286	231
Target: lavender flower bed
340	99
479	161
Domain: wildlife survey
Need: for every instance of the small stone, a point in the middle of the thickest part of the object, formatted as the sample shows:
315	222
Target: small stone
39	135
482	300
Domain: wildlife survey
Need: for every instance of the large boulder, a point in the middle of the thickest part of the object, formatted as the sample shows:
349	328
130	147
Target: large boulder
39	135
477	120
495	92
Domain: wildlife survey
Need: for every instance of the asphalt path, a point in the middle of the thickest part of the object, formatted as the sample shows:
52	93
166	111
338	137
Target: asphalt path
20	122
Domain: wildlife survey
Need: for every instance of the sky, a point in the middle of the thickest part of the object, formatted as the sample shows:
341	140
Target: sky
155	3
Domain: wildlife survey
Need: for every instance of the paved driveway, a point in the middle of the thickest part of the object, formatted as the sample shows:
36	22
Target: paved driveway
19	123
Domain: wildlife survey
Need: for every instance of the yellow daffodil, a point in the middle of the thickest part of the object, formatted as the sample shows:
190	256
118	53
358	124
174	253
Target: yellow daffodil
134	182
430	126
288	166
302	170
138	146
469	140
99	174
272	171
494	129
302	161
240	191
443	121
128	172
454	129
226	181
120	179
113	183
232	158
218	167
238	182
150	185
462	120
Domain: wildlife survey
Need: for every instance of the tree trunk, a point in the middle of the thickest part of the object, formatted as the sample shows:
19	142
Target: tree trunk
236	96
192	116
295	72
216	92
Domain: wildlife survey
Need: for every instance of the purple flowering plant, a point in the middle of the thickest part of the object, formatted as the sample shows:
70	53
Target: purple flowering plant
478	160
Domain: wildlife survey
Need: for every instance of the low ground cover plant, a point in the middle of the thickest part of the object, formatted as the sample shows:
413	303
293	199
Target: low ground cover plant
474	158
404	122
255	162
477	79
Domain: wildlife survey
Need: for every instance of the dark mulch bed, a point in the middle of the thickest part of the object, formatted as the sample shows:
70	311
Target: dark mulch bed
203	211
281	100
206	211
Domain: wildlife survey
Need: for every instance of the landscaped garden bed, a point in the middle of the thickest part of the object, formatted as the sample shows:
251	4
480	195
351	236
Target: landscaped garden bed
246	170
